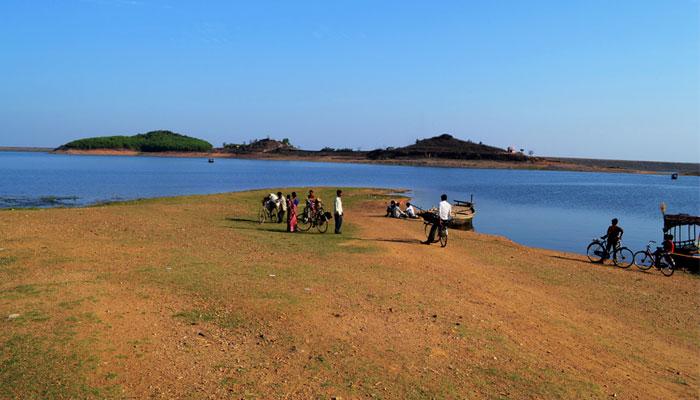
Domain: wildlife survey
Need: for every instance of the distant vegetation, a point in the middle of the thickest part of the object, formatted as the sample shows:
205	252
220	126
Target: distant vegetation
266	145
447	147
154	141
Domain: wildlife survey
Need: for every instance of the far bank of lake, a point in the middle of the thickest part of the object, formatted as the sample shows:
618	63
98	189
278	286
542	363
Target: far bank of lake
536	163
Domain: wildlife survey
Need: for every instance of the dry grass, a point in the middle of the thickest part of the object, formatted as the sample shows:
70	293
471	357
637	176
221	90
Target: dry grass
188	297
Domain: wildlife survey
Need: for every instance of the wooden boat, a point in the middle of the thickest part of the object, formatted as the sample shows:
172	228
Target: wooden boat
462	213
683	227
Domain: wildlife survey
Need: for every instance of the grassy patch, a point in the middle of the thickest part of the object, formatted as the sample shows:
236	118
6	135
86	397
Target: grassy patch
69	305
7	260
223	320
21	291
31	368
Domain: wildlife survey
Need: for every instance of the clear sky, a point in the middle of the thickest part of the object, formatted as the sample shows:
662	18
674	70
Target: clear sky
589	78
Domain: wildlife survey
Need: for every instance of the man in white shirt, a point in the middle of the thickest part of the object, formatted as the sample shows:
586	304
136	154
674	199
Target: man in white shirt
444	211
410	211
338	211
281	207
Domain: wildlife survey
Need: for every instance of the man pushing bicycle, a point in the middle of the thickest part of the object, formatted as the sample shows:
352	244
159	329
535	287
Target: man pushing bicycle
444	211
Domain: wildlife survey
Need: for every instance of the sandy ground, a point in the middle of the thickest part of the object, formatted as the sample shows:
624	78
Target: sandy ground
190	298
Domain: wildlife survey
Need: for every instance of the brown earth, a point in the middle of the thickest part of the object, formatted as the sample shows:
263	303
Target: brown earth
188	297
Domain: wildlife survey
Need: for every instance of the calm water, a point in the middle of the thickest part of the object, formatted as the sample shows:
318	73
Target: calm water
556	210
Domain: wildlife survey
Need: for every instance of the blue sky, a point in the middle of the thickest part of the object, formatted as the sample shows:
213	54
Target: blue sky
594	78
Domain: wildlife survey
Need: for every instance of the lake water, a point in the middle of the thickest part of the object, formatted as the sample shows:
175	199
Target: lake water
549	209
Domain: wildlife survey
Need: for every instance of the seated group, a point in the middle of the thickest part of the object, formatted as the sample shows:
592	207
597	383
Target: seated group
393	210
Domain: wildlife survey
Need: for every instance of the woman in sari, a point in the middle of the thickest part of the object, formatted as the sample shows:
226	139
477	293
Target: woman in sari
292	212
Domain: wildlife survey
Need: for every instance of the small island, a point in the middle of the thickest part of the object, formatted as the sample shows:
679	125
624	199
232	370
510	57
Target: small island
150	142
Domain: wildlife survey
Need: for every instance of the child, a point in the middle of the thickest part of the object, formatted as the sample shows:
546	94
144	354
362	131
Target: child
667	248
614	236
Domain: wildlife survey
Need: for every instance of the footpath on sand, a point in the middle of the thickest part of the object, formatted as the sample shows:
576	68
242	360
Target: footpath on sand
189	296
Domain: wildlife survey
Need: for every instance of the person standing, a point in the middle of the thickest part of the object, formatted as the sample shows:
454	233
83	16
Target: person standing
444	211
614	236
281	207
338	211
292	210
288	203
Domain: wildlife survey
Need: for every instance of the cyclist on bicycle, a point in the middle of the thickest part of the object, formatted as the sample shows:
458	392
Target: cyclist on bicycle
311	204
667	248
444	211
614	236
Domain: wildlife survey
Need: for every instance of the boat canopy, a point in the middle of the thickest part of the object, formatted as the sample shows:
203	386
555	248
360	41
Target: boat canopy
683	227
673	220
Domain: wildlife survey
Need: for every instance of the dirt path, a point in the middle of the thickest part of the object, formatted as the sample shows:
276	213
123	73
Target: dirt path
189	298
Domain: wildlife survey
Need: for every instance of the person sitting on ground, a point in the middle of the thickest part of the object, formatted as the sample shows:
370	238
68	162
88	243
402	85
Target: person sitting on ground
410	211
614	236
397	213
281	207
390	209
444	215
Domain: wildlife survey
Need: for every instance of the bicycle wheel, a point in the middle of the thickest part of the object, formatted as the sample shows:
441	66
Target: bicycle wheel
322	224
595	252
443	237
304	223
623	257
666	267
273	217
426	229
262	215
643	260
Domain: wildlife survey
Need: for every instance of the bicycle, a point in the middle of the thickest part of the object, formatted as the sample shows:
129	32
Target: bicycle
267	214
596	251
645	259
319	219
441	231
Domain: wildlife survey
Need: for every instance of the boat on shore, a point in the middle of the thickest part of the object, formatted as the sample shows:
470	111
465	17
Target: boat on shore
684	229
462	214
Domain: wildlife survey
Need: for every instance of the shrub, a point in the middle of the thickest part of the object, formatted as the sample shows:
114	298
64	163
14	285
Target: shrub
155	141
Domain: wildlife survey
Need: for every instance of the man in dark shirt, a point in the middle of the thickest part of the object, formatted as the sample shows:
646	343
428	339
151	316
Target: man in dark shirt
614	236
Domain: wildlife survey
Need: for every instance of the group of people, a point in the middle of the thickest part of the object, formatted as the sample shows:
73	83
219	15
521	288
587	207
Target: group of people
393	210
289	205
442	217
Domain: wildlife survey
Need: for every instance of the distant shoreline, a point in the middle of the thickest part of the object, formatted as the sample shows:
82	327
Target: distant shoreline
541	163
27	149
